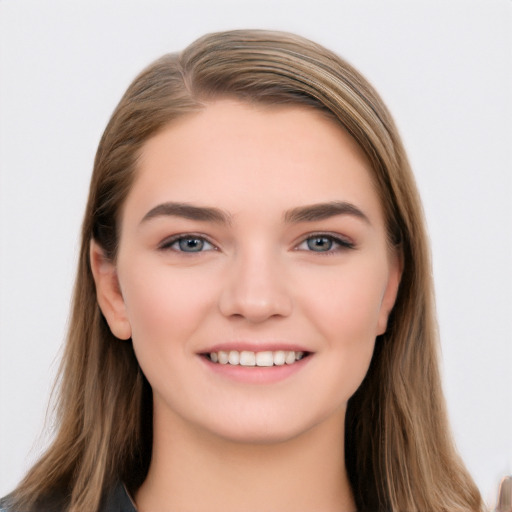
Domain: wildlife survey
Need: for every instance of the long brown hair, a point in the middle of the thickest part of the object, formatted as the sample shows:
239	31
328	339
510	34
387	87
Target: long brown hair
399	451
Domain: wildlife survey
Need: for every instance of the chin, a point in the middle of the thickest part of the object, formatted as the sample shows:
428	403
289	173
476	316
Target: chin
259	437
268	429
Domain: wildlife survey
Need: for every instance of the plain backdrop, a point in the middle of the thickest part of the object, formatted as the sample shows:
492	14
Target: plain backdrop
443	67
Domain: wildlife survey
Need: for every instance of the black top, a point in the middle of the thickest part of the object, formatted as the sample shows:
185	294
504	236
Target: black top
117	500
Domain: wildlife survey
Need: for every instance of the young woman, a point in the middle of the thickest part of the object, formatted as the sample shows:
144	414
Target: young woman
253	324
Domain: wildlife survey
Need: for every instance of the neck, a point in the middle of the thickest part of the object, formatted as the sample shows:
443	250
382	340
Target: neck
193	471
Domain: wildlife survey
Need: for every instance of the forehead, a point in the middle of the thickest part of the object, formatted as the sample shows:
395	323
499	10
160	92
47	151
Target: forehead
237	156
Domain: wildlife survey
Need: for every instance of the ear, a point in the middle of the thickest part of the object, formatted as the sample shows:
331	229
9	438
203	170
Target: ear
108	292
396	267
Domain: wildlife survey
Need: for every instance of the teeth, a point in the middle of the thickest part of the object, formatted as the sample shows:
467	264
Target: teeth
234	357
290	357
279	357
264	359
248	358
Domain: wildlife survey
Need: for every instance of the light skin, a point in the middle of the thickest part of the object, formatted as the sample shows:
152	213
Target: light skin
259	229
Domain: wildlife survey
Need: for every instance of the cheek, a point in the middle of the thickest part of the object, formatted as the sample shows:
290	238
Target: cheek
165	307
347	319
348	312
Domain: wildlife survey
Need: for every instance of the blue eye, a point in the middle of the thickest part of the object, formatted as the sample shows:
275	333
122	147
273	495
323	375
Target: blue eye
320	243
188	244
324	243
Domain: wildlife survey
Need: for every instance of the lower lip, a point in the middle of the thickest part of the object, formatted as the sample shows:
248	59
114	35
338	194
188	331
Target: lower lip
256	374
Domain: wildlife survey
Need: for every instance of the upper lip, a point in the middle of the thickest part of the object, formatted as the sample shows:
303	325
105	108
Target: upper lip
254	347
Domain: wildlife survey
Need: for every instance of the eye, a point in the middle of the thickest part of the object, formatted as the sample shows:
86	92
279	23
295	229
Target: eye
188	243
324	243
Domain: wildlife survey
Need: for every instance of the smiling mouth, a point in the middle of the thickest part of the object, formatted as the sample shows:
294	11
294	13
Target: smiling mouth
266	358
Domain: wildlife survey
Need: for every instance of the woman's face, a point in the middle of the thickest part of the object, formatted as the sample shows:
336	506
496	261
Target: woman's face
254	235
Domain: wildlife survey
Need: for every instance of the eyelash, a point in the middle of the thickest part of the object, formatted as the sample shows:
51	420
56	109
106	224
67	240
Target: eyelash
168	243
339	243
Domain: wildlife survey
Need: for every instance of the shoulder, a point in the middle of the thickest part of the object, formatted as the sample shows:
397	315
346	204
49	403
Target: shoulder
53	504
3	505
117	499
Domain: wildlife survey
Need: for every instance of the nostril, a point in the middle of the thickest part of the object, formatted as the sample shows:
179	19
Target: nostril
255	289
255	309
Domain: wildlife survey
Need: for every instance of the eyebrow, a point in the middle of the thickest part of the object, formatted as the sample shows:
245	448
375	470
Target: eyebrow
322	211
188	211
308	213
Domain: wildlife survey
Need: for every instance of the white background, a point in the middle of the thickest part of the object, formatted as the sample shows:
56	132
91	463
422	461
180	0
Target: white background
443	67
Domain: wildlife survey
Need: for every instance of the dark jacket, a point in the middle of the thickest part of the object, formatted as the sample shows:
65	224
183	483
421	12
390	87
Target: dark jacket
117	500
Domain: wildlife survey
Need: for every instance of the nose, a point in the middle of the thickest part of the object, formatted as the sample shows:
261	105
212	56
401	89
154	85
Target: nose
256	288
